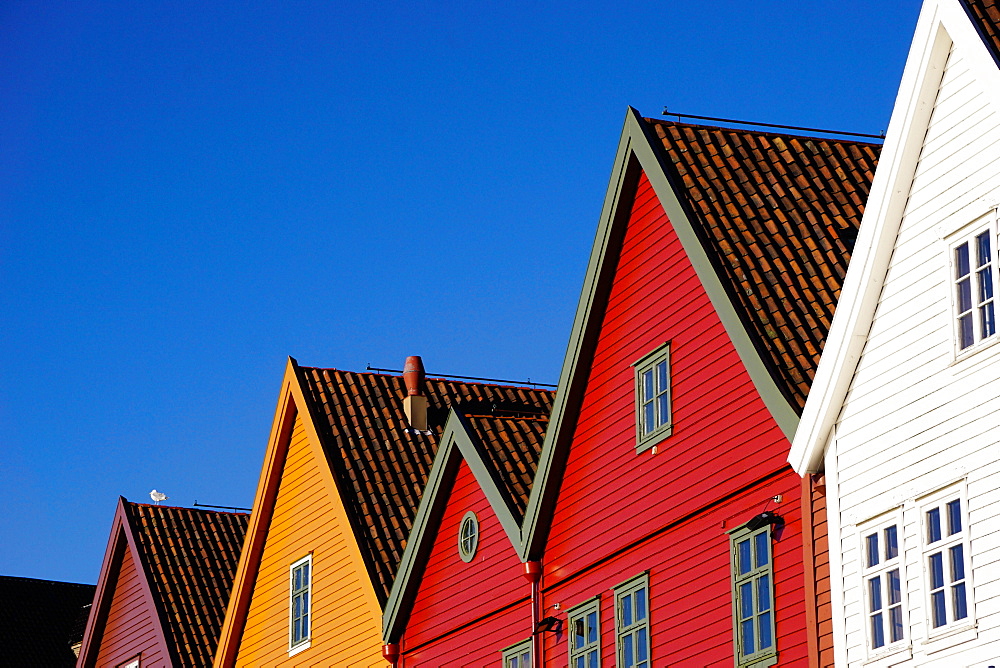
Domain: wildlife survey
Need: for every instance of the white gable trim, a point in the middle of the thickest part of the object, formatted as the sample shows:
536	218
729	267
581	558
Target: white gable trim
942	23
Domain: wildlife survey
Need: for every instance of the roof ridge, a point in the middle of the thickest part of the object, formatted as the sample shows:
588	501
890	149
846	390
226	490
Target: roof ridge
198	510
761	132
430	378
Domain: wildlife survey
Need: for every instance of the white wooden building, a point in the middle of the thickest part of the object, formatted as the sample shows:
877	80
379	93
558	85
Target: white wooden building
903	417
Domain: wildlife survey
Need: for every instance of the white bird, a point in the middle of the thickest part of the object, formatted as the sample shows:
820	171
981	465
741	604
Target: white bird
158	496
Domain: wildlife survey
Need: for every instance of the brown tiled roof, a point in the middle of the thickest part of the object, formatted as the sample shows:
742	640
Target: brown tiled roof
381	465
513	446
986	16
778	215
191	556
38	620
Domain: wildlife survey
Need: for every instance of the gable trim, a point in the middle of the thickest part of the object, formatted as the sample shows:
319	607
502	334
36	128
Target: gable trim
638	151
942	23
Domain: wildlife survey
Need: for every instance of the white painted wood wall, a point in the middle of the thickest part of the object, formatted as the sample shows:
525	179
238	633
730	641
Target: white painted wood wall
917	419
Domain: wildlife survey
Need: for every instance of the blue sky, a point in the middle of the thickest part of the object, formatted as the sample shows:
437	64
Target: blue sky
191	192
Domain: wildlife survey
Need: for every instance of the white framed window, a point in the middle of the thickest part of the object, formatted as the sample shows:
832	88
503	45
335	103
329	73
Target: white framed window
632	622
134	662
468	536
883	576
946	563
300	604
973	265
653	419
585	634
517	656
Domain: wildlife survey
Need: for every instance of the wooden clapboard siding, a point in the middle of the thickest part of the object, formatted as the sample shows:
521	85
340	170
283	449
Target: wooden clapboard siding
453	593
914	416
344	631
130	628
615	511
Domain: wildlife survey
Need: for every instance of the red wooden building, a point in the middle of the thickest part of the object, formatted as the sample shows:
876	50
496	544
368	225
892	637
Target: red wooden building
660	523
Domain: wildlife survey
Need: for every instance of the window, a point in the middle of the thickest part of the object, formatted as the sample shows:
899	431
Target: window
518	656
882	574
300	604
585	635
468	536
632	622
974	282
946	562
130	663
652	397
753	596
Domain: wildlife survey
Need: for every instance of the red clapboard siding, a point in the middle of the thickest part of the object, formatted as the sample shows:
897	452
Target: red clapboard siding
689	573
130	629
453	592
614	506
476	645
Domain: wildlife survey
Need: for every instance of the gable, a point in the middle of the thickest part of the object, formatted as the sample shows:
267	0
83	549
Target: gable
305	519
723	436
445	601
958	142
131	627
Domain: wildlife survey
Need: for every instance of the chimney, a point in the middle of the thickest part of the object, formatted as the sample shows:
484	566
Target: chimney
415	403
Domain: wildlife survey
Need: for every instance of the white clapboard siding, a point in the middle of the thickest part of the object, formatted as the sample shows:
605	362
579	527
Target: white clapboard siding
915	419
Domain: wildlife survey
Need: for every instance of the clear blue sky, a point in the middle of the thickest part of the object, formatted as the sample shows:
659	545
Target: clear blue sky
190	192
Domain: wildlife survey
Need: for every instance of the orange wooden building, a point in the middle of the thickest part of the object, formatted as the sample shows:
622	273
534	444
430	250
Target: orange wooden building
347	461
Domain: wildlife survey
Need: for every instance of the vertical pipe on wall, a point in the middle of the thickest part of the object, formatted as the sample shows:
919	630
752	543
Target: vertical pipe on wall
533	574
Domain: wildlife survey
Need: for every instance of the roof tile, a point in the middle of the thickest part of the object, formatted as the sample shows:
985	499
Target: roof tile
985	14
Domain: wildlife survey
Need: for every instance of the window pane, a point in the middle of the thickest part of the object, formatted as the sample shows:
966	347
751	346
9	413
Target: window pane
878	634
743	556
592	659
936	564
746	600
761	548
663	410
984	279
627	654
962	260
965	338
626	610
871	547
954	517
661	377
592	627
648	424
647	385
640	645
964	295
937	609
896	623
763	593
958	601
746	631
578	633
764	622
875	593
895	592
987	320
933	525
983	248
579	663
891	543
956	556
640	604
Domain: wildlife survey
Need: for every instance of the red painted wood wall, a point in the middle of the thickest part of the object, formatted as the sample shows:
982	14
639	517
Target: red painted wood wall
130	627
620	513
465	613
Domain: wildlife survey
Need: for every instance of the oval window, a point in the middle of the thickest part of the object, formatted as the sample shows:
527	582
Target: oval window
468	536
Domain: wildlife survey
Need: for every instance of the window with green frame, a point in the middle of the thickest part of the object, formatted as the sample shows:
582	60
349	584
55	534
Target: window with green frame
753	597
518	656
585	634
653	419
632	622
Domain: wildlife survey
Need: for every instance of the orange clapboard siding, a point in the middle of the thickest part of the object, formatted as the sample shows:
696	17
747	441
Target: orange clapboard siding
130	628
308	518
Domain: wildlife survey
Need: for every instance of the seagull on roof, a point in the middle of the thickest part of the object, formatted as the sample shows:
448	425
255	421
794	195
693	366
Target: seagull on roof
158	496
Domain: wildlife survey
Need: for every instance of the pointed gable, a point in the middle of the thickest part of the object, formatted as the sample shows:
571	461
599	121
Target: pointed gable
164	585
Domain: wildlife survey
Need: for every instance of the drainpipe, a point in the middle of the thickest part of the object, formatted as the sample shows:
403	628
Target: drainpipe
533	574
391	653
